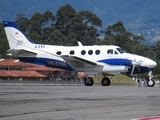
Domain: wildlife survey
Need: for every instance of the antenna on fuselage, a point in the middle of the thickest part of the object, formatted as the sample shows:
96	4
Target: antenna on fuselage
79	43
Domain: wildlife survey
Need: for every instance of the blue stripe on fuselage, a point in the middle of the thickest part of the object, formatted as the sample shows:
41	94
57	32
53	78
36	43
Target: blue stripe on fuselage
117	61
126	62
48	62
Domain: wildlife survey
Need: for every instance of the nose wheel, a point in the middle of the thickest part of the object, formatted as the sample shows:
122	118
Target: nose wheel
150	83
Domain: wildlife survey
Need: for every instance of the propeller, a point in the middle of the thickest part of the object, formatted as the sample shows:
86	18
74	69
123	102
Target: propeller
135	65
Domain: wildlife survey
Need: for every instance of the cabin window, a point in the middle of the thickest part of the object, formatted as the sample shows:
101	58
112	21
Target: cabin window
97	52
59	53
83	52
71	52
110	51
90	52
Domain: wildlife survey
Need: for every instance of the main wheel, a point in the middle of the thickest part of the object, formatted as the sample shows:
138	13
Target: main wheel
150	83
88	81
105	82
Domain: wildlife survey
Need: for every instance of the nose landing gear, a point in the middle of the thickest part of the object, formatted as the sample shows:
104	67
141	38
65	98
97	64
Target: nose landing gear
150	83
150	80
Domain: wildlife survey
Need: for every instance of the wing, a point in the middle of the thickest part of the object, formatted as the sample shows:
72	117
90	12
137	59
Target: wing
77	62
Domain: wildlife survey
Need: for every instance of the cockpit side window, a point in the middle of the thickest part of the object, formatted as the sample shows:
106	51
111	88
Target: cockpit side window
110	51
115	52
120	50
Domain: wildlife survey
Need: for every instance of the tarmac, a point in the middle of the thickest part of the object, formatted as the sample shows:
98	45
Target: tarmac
75	101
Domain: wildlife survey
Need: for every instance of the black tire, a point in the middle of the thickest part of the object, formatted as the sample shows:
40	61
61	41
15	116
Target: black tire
150	83
105	82
88	81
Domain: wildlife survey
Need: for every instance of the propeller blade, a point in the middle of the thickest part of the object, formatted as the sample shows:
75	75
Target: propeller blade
135	65
132	70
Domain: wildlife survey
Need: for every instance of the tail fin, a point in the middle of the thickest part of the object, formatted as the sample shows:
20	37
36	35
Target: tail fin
14	35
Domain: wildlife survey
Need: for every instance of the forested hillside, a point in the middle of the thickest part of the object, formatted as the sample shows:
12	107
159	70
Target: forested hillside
68	26
141	17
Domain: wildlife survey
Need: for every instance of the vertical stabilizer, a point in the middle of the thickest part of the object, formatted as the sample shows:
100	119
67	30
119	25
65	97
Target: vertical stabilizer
14	35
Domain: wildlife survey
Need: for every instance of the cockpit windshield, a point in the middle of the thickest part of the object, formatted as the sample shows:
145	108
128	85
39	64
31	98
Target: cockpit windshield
120	50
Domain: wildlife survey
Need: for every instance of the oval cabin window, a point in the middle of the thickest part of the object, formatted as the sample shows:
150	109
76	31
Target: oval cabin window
97	52
71	52
90	52
83	52
59	53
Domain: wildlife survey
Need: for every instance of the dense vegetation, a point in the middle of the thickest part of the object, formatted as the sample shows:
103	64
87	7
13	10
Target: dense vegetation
68	26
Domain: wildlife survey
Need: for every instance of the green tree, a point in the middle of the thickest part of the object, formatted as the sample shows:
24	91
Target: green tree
48	25
35	27
90	19
65	23
91	23
20	17
157	50
64	17
23	22
47	33
74	26
38	27
57	38
49	18
72	37
3	43
136	42
83	25
116	34
146	51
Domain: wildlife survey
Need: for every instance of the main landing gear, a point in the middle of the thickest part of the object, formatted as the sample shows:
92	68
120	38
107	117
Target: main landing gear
106	81
89	81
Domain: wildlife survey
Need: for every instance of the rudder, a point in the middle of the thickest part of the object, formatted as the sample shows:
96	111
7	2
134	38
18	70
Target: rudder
14	35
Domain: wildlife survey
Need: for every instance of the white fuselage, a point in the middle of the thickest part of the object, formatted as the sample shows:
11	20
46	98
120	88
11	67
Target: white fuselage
110	59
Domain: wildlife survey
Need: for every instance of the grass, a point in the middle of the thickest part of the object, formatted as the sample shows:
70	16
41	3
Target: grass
116	79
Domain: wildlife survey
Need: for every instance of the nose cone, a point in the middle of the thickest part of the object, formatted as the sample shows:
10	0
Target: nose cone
152	64
149	63
146	62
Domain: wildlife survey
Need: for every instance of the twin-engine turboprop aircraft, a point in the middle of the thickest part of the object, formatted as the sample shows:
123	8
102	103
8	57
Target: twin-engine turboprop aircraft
105	59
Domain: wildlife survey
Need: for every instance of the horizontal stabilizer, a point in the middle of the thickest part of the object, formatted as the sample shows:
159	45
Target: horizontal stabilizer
22	53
